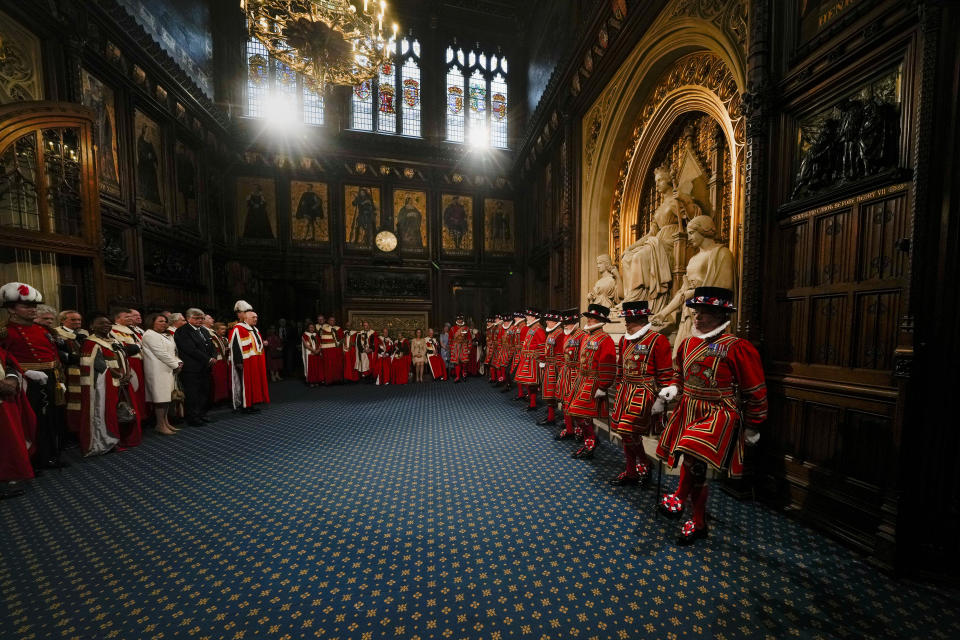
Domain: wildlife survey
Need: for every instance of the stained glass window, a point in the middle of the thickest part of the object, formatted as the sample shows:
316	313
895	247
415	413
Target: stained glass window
361	115
268	81
476	95
395	91
455	115
410	107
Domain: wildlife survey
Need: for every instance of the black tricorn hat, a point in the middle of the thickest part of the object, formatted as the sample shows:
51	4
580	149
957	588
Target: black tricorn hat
714	297
635	308
598	312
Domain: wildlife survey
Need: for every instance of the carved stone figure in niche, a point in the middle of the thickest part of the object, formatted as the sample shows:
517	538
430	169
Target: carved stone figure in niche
648	263
608	290
858	137
712	266
818	163
257	225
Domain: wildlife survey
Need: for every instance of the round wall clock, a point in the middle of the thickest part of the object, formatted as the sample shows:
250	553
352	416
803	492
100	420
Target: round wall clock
386	241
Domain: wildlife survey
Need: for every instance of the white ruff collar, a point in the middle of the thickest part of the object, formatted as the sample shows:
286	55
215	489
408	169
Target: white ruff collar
570	329
555	327
709	334
530	323
640	332
591	327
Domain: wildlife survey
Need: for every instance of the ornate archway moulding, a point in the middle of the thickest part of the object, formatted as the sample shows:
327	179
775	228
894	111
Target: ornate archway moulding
695	82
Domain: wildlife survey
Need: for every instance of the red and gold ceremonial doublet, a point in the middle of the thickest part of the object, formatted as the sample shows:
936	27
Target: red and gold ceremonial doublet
501	355
571	365
645	368
554	344
597	370
250	370
531	353
460	342
33	347
493	342
517	345
707	422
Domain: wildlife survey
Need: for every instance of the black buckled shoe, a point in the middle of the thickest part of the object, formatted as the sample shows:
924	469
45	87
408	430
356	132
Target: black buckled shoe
690	533
643	474
505	390
563	435
543	422
623	480
529	408
670	505
583	453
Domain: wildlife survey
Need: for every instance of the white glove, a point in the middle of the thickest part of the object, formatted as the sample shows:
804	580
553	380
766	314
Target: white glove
63	387
669	393
543	364
658	406
36	376
599	393
752	436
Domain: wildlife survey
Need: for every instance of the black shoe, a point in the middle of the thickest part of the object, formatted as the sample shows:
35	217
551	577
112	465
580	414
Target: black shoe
10	491
54	463
583	453
206	420
456	380
505	390
690	533
529	408
563	435
37	472
543	422
623	479
250	410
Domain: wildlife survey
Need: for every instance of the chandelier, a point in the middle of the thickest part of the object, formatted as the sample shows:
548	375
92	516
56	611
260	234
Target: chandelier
326	41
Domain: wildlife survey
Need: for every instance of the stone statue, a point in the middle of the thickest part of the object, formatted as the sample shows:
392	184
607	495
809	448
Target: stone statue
648	263
608	290
712	266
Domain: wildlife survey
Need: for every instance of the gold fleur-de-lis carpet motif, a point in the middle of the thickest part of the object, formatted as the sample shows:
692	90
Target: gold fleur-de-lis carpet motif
426	511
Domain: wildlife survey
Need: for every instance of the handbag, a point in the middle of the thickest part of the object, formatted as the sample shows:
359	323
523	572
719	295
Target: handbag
125	411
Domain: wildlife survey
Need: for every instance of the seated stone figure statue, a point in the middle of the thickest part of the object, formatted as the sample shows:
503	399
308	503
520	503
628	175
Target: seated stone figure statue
648	263
608	290
711	266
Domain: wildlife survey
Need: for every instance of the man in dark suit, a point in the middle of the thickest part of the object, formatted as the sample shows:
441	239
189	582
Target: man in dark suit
198	355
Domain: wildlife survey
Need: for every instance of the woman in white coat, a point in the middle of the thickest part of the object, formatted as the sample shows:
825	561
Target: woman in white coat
161	365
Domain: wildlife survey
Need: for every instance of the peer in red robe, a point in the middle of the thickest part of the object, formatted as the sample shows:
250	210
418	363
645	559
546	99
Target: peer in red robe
438	369
312	360
385	348
105	380
351	356
132	342
331	337
248	364
17	423
401	361
220	371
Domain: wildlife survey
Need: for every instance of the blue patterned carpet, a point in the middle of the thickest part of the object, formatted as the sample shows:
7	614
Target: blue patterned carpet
426	511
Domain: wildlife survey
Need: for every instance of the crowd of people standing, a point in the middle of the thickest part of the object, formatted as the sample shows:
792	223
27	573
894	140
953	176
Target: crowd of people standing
60	382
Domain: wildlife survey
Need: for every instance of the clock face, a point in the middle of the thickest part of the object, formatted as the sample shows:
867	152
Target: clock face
386	241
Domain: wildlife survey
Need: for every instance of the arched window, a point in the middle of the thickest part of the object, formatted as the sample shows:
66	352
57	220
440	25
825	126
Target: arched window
394	91
272	85
476	97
